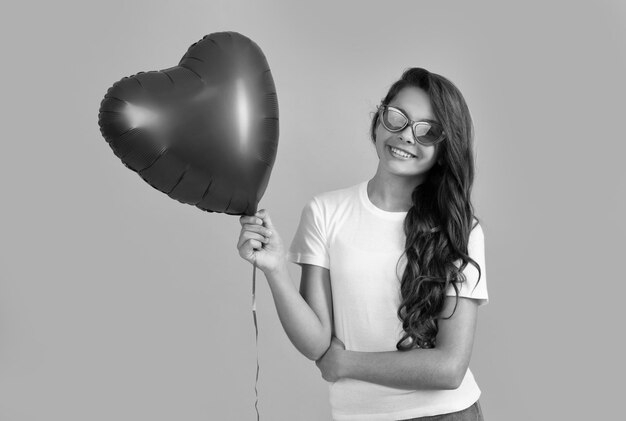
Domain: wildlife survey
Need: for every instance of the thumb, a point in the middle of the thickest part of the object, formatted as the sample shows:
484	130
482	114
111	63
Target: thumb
265	216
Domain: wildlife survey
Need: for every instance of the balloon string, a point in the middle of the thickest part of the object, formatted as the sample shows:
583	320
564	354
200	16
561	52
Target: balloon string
256	328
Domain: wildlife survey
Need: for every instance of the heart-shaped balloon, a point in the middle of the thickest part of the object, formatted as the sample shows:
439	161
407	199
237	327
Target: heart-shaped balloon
204	132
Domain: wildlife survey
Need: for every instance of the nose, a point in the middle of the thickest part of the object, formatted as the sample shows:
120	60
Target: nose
406	135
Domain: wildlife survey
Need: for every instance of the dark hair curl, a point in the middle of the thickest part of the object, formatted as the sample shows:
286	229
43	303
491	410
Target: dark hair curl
438	224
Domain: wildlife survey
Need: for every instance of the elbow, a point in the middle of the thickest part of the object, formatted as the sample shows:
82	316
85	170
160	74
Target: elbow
453	382
451	371
318	352
311	355
454	377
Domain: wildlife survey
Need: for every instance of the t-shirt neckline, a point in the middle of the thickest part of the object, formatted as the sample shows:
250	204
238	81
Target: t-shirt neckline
367	203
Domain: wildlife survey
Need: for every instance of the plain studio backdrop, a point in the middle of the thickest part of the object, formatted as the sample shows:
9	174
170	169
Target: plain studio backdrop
119	303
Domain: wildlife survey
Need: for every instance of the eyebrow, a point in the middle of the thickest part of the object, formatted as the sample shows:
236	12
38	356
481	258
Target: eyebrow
428	120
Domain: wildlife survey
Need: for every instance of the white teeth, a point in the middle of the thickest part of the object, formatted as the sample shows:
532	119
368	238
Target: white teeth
400	153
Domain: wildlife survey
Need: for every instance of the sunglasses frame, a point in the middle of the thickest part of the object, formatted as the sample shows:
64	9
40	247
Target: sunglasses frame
413	124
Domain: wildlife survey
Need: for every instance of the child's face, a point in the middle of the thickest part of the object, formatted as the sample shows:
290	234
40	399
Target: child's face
416	104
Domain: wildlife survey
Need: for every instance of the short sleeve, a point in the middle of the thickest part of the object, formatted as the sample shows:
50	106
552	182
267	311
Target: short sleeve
309	244
473	287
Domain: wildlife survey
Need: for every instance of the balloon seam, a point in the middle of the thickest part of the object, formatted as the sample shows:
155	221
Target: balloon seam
196	58
228	205
194	72
116	98
170	78
206	191
163	151
179	180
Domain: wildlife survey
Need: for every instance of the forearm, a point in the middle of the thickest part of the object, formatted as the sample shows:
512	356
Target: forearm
303	327
412	370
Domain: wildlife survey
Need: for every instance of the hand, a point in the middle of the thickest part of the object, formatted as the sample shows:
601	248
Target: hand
330	364
259	242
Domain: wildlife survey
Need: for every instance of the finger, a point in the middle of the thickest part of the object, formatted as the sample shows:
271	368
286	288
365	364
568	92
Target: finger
248	235
258	229
252	244
246	251
250	220
267	221
255	236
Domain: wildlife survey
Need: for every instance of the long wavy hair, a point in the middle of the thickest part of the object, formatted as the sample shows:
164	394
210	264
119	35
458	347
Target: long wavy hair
438	224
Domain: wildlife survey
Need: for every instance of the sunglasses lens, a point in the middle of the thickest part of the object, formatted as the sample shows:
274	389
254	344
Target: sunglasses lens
393	120
427	133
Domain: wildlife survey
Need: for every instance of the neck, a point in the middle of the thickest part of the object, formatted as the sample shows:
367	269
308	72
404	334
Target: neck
392	193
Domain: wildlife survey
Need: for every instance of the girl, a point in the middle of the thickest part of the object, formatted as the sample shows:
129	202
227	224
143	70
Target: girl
392	267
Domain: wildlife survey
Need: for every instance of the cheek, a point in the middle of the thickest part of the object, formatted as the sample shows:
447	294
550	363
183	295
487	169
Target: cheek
430	153
380	138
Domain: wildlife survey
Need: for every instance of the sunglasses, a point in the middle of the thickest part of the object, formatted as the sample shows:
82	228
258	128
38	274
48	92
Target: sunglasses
426	132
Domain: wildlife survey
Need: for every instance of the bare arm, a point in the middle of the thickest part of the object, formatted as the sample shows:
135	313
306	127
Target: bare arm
306	316
442	367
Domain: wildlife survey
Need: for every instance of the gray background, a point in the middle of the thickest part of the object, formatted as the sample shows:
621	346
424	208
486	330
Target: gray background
118	303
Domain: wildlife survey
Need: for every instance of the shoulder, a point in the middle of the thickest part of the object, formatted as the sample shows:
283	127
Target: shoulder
476	243
334	207
332	201
476	233
338	195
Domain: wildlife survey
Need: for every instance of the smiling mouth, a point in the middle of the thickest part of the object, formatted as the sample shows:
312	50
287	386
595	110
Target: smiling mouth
400	153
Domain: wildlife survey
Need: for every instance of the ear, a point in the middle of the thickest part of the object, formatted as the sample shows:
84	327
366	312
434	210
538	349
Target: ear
373	127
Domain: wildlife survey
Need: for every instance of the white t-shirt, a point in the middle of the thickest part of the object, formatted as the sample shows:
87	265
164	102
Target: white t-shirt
360	244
